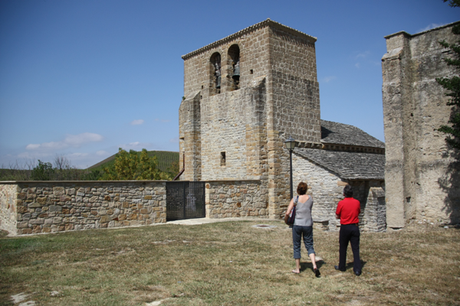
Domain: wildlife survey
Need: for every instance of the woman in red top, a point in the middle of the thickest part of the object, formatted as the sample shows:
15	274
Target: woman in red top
348	211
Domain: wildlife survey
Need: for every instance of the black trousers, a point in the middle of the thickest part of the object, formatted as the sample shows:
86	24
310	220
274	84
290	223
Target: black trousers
349	233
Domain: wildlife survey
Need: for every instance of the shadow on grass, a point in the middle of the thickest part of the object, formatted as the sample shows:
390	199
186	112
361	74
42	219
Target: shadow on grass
350	265
309	266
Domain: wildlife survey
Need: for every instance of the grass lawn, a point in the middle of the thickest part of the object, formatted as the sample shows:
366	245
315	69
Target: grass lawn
226	263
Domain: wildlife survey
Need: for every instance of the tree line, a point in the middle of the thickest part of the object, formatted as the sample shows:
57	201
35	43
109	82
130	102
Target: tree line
130	165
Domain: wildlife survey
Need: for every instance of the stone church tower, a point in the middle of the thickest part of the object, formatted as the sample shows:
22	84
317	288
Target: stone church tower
243	96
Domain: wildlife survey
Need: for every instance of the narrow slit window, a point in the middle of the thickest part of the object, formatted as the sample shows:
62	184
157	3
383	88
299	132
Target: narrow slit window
223	160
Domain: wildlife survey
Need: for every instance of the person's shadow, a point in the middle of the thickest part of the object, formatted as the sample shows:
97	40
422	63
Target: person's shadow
350	265
309	266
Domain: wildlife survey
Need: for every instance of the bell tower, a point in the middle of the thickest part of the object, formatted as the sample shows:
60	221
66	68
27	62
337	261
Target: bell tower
243	96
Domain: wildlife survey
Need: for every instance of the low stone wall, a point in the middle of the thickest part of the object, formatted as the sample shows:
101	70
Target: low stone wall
8	197
34	207
230	199
43	207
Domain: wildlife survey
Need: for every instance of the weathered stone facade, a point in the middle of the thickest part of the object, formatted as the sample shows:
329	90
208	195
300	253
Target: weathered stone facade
234	130
45	207
243	96
422	180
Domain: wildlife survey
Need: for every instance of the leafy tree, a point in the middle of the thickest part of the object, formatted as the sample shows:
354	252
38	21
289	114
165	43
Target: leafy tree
42	172
93	175
173	169
453	86
134	166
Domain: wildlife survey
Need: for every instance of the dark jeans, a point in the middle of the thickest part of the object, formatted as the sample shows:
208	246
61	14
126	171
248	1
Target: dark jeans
307	233
349	233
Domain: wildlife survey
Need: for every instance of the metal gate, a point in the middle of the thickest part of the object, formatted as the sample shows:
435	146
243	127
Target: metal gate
185	200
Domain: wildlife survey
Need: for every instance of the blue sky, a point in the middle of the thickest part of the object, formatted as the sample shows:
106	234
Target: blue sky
81	79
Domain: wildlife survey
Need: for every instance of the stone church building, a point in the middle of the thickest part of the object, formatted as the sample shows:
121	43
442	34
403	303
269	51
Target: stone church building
244	95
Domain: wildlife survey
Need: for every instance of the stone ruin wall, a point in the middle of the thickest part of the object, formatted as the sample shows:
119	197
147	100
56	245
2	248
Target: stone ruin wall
422	181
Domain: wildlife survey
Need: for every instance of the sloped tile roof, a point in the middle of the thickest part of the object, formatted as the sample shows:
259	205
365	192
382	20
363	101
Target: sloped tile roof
345	134
347	165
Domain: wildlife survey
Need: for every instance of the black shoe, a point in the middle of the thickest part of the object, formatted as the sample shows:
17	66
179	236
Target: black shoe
317	273
337	268
357	273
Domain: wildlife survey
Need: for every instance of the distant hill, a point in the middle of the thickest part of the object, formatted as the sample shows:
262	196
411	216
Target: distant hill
164	158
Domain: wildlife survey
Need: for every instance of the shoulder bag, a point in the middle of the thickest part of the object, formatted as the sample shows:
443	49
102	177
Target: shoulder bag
289	219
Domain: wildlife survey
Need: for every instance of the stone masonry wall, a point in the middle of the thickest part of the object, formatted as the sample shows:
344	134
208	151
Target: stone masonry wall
233	129
8	200
421	178
230	199
190	137
237	115
296	105
324	186
254	59
44	207
250	130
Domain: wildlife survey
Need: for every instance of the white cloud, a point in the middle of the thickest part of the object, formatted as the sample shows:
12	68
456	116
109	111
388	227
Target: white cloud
69	141
364	54
77	155
102	153
137	122
328	79
430	26
137	146
78	140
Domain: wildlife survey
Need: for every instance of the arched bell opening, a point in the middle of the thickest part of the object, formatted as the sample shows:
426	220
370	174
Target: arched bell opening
215	74
234	58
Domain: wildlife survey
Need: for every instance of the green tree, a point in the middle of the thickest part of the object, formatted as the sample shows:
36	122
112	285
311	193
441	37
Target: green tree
93	175
134	166
42	172
453	86
173	169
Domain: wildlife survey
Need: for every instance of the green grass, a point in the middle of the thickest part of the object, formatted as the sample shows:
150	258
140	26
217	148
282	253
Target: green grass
227	263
